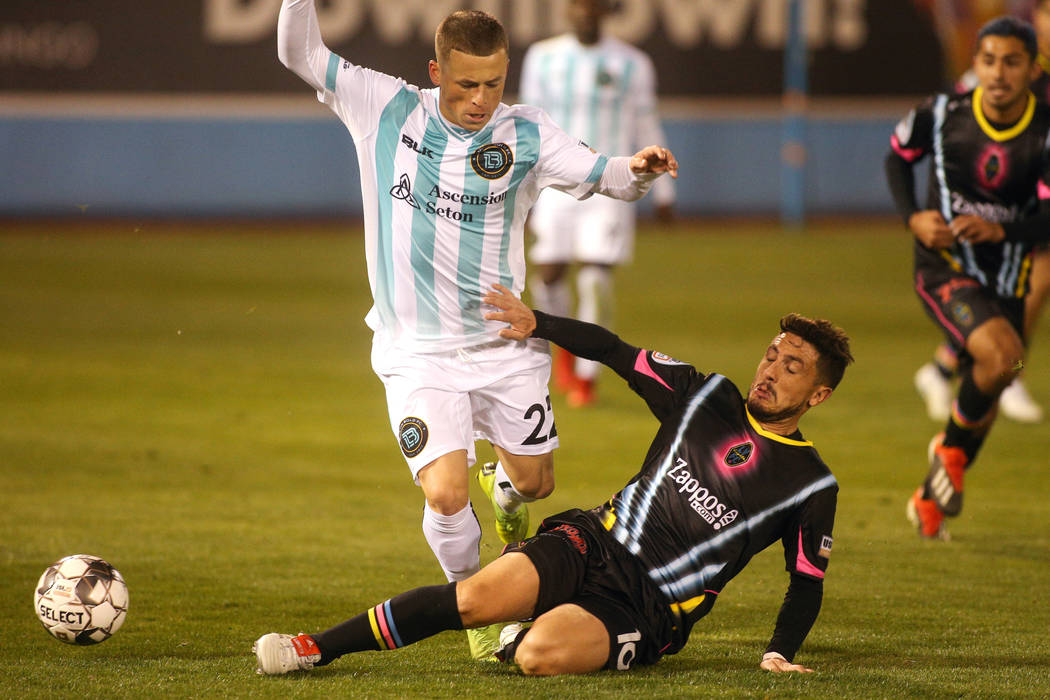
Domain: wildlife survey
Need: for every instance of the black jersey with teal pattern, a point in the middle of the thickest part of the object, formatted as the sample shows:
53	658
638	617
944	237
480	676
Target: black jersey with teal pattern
715	488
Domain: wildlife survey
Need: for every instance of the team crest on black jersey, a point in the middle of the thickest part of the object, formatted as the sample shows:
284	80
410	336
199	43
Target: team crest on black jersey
992	166
665	359
738	455
492	161
412	435
962	313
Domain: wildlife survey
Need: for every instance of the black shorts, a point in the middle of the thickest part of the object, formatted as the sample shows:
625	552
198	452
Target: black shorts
959	304
580	563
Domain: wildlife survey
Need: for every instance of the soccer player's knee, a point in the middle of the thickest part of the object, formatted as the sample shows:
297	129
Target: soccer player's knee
1008	362
446	500
470	600
1002	360
535	657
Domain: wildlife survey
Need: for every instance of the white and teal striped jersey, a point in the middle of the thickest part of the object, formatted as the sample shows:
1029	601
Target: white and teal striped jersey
603	94
444	208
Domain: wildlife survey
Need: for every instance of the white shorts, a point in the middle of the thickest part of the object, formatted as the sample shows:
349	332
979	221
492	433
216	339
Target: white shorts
442	402
596	230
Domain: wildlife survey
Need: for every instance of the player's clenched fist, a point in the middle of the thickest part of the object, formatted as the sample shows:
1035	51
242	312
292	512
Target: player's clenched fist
654	159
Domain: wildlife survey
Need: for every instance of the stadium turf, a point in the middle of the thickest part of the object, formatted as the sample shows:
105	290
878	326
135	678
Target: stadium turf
195	404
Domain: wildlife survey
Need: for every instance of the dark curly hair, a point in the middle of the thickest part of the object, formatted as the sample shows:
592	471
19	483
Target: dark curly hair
831	343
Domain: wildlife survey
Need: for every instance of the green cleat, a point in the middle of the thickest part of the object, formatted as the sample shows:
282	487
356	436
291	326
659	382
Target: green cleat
511	527
484	642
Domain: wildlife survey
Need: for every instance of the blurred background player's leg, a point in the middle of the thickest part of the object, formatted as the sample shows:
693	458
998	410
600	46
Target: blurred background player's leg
1015	402
934	382
553	222
594	290
551	294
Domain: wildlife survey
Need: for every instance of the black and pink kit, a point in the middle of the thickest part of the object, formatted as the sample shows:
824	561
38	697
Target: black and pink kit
715	489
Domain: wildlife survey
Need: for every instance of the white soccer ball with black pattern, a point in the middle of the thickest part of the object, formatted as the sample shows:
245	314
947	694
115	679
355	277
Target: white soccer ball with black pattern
81	599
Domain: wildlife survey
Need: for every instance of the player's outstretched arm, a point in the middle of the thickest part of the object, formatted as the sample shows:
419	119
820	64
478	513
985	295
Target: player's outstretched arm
299	44
629	177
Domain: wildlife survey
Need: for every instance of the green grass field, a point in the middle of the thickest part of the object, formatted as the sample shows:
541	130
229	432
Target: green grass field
195	404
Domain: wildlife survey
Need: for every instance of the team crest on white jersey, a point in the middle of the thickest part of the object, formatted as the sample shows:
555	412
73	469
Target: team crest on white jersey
492	161
412	435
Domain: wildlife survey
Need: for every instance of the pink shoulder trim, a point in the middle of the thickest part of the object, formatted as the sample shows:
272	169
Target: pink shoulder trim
642	367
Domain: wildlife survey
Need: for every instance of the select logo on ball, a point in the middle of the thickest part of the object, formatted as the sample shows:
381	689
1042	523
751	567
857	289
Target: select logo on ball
81	599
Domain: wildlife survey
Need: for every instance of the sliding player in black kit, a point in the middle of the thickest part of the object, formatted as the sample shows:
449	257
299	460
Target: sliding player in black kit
625	582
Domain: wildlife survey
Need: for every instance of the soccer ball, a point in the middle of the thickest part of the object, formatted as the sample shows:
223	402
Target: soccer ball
81	599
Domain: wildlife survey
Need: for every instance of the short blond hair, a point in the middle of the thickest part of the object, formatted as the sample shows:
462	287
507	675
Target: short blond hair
473	32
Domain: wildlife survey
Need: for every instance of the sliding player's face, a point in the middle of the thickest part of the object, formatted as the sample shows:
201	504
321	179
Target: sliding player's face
1004	70
787	383
471	87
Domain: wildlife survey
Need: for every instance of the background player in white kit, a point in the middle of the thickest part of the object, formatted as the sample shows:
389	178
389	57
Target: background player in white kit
448	176
603	91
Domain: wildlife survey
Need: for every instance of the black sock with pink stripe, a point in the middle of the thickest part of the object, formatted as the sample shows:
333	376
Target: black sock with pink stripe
972	416
400	621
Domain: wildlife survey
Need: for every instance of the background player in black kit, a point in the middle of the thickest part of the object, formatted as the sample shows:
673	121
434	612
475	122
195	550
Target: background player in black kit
933	379
987	206
624	583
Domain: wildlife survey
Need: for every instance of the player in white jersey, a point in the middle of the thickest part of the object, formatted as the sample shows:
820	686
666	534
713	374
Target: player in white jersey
448	175
603	91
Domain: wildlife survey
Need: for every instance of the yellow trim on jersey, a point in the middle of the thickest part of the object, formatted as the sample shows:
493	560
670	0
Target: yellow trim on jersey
951	261
608	518
689	605
773	436
1022	276
1005	134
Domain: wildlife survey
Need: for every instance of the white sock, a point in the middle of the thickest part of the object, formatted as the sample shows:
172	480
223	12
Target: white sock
594	289
507	497
554	298
455	540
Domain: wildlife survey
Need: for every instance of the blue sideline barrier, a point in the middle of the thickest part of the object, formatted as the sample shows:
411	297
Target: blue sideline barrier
129	166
